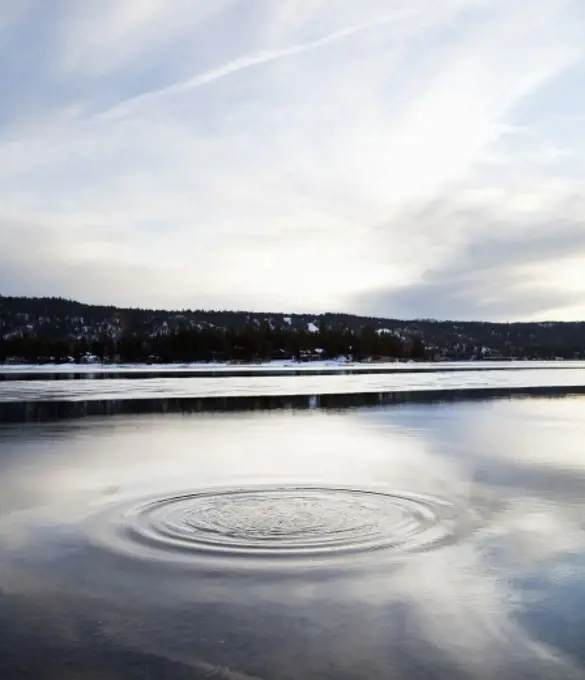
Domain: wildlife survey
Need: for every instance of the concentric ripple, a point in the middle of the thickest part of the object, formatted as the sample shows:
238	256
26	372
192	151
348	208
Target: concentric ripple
286	522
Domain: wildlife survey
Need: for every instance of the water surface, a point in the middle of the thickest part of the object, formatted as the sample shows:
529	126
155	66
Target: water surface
416	540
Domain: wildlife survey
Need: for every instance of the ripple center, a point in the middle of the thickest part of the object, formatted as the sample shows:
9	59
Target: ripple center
283	522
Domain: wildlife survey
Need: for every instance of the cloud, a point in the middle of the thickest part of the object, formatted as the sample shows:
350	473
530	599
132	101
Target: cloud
511	267
99	38
294	152
232	67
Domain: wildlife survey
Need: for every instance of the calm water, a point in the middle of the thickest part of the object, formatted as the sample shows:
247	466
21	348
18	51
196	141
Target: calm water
414	540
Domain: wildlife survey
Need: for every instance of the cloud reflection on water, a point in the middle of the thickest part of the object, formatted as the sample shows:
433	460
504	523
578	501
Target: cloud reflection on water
461	608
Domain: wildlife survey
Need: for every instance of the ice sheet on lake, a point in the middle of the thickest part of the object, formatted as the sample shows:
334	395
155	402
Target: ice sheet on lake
270	385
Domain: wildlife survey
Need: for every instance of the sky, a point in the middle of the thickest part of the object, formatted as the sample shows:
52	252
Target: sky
401	158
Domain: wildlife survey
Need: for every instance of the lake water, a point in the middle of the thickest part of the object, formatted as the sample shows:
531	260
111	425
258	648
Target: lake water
287	530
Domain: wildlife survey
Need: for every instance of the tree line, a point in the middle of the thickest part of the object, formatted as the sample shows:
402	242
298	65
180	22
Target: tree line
255	342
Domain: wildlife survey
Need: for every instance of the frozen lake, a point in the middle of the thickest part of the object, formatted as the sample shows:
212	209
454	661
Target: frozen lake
40	392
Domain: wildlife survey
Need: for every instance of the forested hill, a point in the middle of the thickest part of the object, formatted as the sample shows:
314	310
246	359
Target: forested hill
44	328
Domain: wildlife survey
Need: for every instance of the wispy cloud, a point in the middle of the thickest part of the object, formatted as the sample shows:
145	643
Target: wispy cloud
245	62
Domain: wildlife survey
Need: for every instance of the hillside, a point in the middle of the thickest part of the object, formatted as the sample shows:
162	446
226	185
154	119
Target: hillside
40	328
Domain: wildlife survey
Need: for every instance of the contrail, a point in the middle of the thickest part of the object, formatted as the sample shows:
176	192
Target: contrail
255	59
